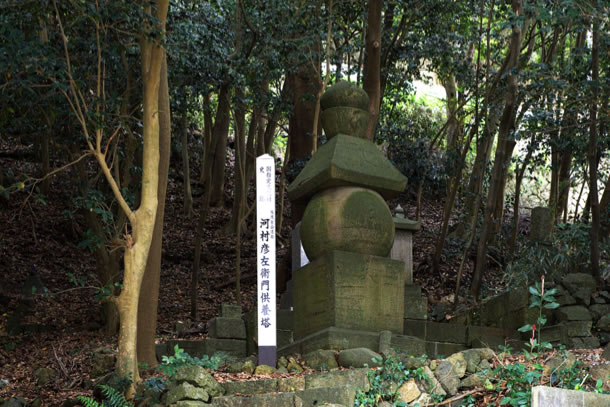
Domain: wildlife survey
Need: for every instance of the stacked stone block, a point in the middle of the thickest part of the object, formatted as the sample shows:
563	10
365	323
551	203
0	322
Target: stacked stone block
227	333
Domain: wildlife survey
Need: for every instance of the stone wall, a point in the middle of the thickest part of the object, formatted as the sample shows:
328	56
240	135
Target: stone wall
581	321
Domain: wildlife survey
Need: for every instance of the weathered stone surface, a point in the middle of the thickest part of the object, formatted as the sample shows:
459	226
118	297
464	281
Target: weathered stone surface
402	249
606	353
599	310
347	161
351	291
604	323
45	375
14	402
200	377
350	377
484	366
416	306
351	219
344	93
251	387
227	328
264	369
447	376
442	349
542	224
573	313
575	281
583	295
473	358
235	347
230	311
489	337
343	395
543	396
359	357
408	392
385	342
555	333
578	328
291	384
246	366
442	332
431	384
586	342
321	360
601	371
190	403
472	380
294	366
185	391
344	120
459	363
563	297
259	400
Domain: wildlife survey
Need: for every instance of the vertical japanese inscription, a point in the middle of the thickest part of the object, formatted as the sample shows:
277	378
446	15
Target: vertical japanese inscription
265	232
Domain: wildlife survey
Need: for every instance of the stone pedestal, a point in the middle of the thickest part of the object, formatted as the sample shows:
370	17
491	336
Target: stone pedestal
351	291
402	248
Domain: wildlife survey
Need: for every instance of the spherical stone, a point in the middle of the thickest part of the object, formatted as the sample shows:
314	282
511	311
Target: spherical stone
344	93
346	120
351	219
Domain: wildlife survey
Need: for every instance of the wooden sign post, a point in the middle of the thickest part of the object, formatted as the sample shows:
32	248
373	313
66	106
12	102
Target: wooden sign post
265	232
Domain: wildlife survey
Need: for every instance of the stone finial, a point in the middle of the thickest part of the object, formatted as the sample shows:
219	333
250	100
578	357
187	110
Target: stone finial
344	110
400	213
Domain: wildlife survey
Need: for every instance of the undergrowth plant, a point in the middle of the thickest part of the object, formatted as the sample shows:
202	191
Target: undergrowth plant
387	379
170	364
112	398
515	380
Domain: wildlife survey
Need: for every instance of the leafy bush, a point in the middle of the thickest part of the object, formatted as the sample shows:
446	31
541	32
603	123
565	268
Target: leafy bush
408	130
568	251
170	364
386	380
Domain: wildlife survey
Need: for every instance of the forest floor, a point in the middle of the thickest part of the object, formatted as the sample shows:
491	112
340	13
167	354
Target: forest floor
64	324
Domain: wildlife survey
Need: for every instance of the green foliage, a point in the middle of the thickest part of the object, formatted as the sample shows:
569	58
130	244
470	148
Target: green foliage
408	130
541	300
170	364
568	251
386	380
112	398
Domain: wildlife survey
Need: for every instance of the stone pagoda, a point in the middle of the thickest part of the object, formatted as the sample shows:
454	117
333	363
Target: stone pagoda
351	290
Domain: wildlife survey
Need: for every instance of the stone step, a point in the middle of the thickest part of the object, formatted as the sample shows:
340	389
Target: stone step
339	396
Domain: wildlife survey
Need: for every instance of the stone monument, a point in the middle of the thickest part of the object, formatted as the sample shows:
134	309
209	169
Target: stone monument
347	229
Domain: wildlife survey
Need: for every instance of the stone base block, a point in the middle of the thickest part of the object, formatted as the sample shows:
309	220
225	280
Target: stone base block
434	349
543	396
233	347
227	328
350	291
339	339
230	311
416	306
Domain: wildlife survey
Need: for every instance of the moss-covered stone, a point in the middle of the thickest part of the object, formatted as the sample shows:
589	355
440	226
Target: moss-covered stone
350	219
344	93
351	291
347	161
345	120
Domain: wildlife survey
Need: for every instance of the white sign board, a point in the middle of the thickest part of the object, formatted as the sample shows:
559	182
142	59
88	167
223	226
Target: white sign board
265	245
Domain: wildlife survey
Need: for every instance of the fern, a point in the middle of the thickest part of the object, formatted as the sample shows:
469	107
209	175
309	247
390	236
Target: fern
89	402
114	397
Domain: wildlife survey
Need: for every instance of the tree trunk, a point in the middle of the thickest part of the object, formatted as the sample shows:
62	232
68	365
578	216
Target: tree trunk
372	70
148	303
503	151
186	169
220	133
208	124
592	156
